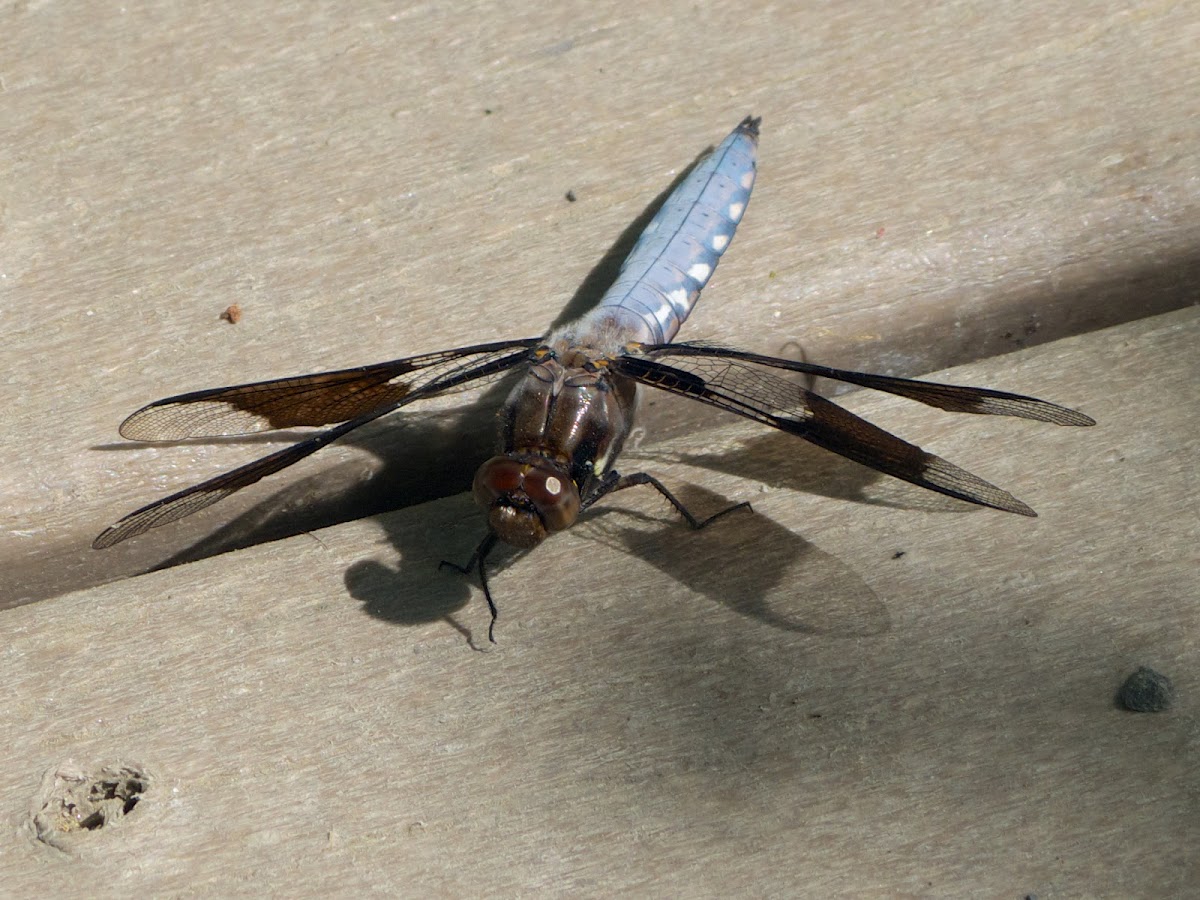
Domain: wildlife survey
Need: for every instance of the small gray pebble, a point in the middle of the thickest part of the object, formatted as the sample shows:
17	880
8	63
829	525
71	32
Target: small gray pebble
1146	691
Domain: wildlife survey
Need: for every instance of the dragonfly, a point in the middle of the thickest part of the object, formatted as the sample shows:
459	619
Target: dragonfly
569	414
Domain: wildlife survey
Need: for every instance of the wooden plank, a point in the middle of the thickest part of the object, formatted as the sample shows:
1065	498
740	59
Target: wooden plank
779	706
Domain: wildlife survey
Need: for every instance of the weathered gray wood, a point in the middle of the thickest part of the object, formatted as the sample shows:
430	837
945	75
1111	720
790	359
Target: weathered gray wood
938	185
776	706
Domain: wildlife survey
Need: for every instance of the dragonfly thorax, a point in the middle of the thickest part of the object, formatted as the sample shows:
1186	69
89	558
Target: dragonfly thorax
526	499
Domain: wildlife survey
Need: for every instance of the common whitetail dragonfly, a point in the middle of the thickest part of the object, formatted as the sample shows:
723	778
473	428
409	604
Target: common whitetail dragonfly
566	420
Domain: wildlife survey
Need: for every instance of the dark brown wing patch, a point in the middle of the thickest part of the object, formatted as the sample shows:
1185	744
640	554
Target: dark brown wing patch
325	398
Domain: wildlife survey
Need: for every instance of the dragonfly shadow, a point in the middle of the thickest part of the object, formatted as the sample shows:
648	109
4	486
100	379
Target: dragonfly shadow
751	565
781	461
424	457
418	589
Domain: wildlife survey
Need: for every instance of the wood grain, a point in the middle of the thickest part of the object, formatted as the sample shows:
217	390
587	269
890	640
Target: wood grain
782	707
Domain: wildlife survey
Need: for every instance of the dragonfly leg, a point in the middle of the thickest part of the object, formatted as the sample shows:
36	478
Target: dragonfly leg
614	482
476	561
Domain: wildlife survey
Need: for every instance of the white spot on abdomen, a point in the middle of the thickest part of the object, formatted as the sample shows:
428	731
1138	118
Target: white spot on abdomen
735	211
719	242
699	271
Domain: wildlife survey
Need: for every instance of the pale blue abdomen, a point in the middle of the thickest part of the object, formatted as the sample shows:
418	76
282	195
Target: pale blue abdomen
674	257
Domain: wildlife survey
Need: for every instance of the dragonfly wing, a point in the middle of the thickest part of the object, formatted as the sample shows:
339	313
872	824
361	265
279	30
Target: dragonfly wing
485	365
740	388
198	496
325	398
950	397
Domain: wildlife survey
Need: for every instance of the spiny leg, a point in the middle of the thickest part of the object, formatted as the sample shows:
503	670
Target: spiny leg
477	560
614	482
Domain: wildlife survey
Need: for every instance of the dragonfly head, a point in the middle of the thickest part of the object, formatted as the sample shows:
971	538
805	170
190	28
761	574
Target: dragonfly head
526	499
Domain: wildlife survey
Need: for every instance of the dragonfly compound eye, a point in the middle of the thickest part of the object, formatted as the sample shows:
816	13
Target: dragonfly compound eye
525	501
